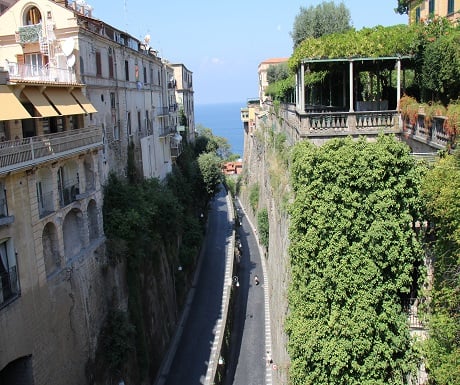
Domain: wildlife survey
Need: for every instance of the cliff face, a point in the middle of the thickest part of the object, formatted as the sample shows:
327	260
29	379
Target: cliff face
265	170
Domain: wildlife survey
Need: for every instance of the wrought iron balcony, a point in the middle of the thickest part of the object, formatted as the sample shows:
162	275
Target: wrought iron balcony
9	286
44	73
27	152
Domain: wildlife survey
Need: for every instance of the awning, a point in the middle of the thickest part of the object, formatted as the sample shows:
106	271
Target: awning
11	108
63	101
41	104
84	102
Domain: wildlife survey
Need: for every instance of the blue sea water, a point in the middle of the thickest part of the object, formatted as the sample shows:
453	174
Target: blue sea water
224	119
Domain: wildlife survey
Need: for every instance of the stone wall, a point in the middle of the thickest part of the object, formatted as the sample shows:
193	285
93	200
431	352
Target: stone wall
261	166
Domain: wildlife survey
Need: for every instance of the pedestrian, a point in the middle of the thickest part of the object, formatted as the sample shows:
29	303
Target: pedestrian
256	280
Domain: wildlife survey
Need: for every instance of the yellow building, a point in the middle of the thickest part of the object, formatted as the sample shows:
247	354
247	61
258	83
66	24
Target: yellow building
423	10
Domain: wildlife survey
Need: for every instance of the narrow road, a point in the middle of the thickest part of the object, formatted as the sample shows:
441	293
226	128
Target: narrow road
247	365
190	362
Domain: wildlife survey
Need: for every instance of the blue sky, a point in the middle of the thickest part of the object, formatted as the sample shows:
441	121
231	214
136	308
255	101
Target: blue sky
223	42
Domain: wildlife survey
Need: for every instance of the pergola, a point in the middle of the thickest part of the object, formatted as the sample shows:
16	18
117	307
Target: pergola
342	88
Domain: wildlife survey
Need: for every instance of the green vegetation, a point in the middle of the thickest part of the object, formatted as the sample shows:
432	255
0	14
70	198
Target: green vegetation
149	223
355	262
254	192
441	191
323	19
263	226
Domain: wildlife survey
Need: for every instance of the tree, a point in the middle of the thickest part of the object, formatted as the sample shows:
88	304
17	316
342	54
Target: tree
211	171
208	142
354	259
277	72
441	192
403	7
324	19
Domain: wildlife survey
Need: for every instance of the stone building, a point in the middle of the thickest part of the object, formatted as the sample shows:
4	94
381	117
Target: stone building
75	94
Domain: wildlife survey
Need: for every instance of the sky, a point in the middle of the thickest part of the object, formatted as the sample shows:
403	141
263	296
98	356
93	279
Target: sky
223	42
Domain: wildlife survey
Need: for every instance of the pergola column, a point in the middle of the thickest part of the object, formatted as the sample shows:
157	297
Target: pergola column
398	83
351	85
302	87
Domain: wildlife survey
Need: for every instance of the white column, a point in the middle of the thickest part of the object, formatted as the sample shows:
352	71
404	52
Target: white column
398	83
302	85
351	85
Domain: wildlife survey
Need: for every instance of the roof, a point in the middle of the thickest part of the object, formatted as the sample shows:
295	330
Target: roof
275	60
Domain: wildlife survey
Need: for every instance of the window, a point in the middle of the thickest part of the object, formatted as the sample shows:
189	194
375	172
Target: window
450	7
417	15
32	16
34	63
145	75
112	100
9	284
98	64
110	64
126	70
139	121
3	201
431	7
128	123
116	132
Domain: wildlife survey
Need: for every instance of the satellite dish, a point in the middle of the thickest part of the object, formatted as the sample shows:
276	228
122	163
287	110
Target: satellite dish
67	46
71	61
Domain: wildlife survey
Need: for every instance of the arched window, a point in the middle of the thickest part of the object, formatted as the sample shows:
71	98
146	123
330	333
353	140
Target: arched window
32	16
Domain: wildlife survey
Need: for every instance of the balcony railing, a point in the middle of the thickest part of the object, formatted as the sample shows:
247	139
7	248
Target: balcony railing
165	131
44	73
162	111
433	133
9	286
22	153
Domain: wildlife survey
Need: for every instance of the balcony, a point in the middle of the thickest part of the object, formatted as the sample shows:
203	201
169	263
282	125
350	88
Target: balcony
24	153
162	111
166	131
29	34
9	286
5	218
46	73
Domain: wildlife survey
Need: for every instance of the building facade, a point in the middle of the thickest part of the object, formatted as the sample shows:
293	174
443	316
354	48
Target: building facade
77	98
262	73
423	10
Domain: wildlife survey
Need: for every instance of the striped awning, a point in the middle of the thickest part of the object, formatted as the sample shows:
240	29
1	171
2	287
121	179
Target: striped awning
10	106
84	102
38	100
63	101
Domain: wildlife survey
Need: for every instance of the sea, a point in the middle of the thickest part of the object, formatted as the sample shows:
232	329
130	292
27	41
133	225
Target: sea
224	119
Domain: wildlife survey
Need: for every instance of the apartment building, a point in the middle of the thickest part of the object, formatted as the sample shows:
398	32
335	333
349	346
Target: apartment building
75	94
423	10
184	96
262	72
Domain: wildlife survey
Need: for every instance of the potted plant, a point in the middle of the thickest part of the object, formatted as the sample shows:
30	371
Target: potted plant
409	108
433	109
452	122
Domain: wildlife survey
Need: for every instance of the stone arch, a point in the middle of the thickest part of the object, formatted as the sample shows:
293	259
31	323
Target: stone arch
93	223
72	230
50	248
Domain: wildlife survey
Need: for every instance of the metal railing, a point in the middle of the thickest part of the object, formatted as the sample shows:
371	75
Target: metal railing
162	111
44	73
16	154
9	286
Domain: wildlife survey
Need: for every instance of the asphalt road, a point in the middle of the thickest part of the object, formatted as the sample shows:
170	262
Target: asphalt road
247	365
190	362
